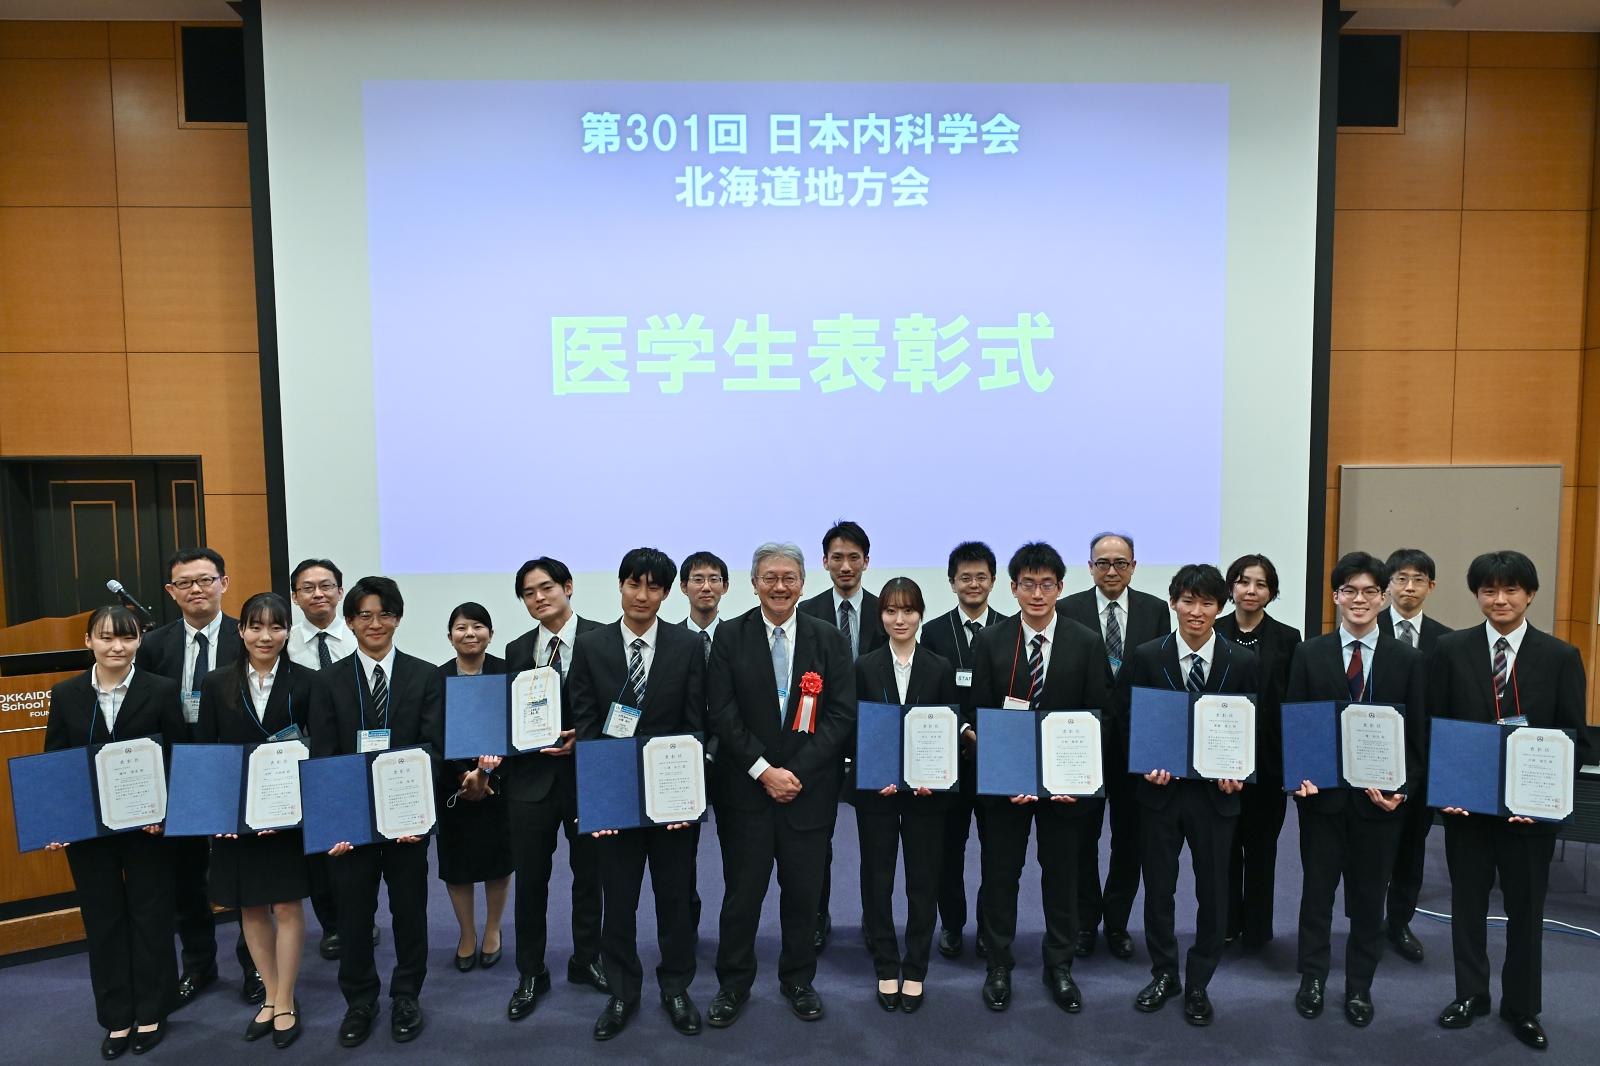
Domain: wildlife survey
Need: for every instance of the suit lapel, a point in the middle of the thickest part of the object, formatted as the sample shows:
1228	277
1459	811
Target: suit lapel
1330	657
923	679
132	709
1482	669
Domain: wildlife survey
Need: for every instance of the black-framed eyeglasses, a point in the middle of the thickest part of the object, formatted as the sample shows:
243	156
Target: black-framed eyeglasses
308	588
1121	566
388	618
184	584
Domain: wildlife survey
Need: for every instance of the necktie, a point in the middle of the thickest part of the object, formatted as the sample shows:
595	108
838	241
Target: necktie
1113	637
1352	674
1036	671
780	666
202	661
380	695
705	645
1501	673
1196	681
636	670
973	629
845	613
324	656
555	657
1408	632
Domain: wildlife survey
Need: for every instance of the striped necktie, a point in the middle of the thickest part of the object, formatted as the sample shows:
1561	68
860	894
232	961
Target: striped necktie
380	694
705	645
636	670
1036	671
1197	674
1408	632
1113	637
846	612
1501	673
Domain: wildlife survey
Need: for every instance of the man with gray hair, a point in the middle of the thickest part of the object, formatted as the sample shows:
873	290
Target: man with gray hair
781	701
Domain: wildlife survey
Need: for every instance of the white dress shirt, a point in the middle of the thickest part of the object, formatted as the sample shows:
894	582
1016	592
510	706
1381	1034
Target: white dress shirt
110	700
902	672
761	765
367	663
1102	602
646	653
1513	638
1207	655
303	642
1395	618
191	650
711	629
261	687
1049	633
566	634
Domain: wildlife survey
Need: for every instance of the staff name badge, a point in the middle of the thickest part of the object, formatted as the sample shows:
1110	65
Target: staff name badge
1514	722
288	732
963	679
1012	703
191	707
372	740
621	720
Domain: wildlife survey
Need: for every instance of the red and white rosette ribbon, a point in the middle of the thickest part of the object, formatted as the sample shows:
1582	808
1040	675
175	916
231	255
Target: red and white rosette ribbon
805	714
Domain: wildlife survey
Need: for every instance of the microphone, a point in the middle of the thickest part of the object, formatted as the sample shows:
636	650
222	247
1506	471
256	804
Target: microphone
124	597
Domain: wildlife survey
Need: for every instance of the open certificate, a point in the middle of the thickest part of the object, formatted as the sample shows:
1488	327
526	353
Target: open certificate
930	748
272	785
1372	747
1539	772
131	777
1069	754
402	793
1224	737
674	779
536	709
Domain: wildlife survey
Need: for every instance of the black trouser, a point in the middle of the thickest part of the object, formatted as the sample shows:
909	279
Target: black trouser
751	842
403	869
534	830
1405	884
322	901
124	887
197	927
958	819
1477	848
883	833
1121	808
1005	852
1335	845
1253	863
671	854
1189	816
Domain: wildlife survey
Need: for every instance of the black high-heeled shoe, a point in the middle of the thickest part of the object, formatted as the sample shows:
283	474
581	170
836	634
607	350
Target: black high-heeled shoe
258	1029
112	1047
889	1001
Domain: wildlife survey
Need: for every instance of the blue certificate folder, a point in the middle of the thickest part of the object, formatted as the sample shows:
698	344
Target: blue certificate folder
54	798
611	783
206	790
477	716
1467	766
1008	752
1311	745
336	795
1158	732
880	743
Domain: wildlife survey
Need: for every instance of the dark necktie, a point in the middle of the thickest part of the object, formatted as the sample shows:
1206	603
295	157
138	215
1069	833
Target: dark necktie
555	656
202	661
380	695
1501	673
1408	632
1036	671
845	611
636	670
1352	674
705	645
1196	681
1113	637
973	629
324	656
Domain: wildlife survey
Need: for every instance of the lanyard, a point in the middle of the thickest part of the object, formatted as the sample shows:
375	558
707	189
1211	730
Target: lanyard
1515	692
248	704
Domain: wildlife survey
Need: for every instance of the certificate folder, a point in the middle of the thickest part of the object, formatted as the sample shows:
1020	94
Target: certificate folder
336	792
1161	731
880	746
55	797
477	716
209	790
1311	745
612	788
1467	767
1011	755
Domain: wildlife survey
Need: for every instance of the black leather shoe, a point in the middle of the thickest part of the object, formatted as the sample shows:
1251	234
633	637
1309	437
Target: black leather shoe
725	1007
282	1038
467	963
1311	997
1120	944
1526	1028
979	948
253	990
192	984
1405	942
256	1030
950	943
487	959
1083	943
1358	1009
112	1047
911	1004
143	1042
684	1014
526	997
1153	996
889	1001
405	1021
357	1024
328	946
804	1001
1063	989
590	973
824	927
997	988
1197	1007
613	1019
1460	1012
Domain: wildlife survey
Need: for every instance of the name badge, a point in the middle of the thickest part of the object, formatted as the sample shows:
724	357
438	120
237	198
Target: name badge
963	679
288	732
1512	723
191	707
1014	704
1116	664
372	740
621	721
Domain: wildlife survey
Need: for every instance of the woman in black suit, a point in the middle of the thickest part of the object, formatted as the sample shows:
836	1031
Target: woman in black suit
259	697
901	672
474	836
1252	584
124	881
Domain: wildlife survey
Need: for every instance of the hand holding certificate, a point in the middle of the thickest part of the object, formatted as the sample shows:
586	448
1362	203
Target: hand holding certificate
62	797
1224	737
367	798
634	782
1055	754
536	709
1519	772
235	789
906	747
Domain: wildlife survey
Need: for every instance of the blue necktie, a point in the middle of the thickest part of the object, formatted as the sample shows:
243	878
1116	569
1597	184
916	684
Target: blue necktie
324	656
1197	676
780	666
202	660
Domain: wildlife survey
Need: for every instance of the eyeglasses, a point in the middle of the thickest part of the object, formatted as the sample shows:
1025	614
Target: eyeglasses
1030	587
974	579
1407	580
324	586
184	584
1121	566
366	618
772	581
705	581
1350	592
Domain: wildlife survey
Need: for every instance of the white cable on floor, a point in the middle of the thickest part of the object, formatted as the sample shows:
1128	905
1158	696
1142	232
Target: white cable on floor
1551	923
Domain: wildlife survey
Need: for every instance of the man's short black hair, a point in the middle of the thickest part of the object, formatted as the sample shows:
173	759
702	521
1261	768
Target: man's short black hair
1237	568
1103	534
1201	580
554	567
844	529
388	593
699	559
1411	559
1352	563
194	555
972	551
312	564
1036	555
650	565
1504	568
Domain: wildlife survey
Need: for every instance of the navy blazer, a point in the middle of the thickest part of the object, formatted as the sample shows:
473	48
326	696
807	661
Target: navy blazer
932	682
947	635
161	651
674	687
1275	644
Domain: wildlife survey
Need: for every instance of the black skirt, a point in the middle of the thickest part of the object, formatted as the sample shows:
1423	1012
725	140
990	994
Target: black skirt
474	839
256	870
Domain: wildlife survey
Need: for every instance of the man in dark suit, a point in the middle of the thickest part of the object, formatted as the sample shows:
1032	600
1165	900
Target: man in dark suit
380	698
1125	618
659	671
1347	833
1412	576
186	650
703	579
971	571
1036	661
782	703
542	799
1504	671
1176	810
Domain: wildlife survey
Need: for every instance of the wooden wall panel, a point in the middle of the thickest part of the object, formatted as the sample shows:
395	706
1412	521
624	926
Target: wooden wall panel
236	526
64	404
1588	472
201	404
1585	523
159	164
1436	48
1394	279
55	133
1529	139
60	280
1562	579
1420	168
1591	317
1493	49
1383	404
142	40
190	279
1537	392
53	40
1522	279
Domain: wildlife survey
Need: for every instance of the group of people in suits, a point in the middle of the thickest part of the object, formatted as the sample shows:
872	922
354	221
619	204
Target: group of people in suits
774	692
